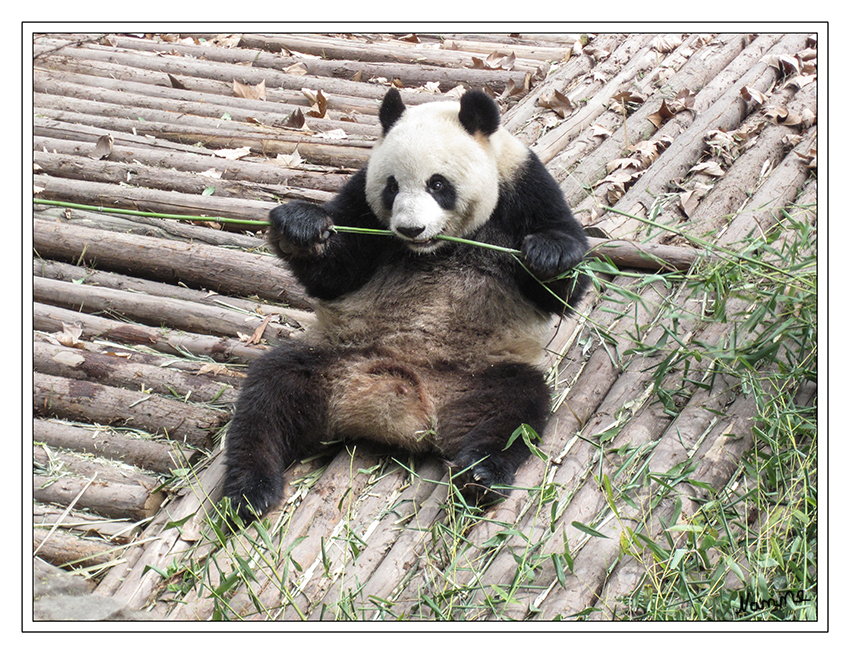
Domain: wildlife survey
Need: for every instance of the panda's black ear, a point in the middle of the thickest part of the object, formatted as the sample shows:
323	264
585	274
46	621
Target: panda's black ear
391	109
479	113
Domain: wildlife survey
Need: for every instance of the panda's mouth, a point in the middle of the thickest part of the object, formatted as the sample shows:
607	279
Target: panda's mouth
423	245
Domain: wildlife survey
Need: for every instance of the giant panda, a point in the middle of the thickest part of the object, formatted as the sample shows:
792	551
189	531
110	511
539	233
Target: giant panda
418	342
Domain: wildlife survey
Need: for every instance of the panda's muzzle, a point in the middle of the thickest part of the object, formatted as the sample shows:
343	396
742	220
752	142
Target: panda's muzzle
411	232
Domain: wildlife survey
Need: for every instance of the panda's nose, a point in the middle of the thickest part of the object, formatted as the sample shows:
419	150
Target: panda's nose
410	232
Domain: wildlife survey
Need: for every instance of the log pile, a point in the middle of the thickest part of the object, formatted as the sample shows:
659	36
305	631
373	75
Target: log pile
143	326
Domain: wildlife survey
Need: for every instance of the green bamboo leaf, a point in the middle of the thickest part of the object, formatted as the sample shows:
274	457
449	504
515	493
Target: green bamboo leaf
588	530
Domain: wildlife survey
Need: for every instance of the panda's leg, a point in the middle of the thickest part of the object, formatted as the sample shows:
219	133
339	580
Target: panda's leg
280	416
475	424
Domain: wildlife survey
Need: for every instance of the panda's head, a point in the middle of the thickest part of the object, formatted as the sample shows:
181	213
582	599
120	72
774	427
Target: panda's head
435	169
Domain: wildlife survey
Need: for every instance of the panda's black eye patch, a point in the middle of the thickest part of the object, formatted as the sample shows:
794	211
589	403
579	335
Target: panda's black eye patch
390	191
442	190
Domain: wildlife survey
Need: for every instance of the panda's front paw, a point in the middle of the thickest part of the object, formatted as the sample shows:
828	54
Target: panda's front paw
548	255
299	229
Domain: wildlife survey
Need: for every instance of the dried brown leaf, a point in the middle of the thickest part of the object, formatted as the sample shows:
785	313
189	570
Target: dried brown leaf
623	163
501	61
318	103
495	61
176	83
666	42
663	114
233	153
224	40
620	177
810	158
257	336
807	118
784	63
801	80
708	168
249	92
296	69
598	130
290	160
103	147
70	336
753	95
614	193
685	98
781	116
649	150
295	119
628	96
557	102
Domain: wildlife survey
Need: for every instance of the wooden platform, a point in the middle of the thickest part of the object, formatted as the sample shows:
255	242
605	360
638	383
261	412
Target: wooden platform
144	326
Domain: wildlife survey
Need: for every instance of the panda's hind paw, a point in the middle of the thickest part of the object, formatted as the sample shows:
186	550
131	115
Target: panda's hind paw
482	482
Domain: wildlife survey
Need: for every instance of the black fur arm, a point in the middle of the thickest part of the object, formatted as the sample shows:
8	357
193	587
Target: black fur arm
532	210
328	263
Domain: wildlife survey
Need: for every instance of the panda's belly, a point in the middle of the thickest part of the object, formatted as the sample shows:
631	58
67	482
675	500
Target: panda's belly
452	316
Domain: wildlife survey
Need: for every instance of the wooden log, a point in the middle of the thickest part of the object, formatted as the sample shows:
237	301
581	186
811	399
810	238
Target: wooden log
111	500
178	230
431	64
198	265
400	56
157	456
762	210
142	199
270	142
119	78
63	547
75	132
647	256
294	318
407	494
133	581
259	173
697	73
84	168
674	163
156	311
349	90
53	319
553	142
87	467
62	95
78	522
495	43
87	401
124	372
